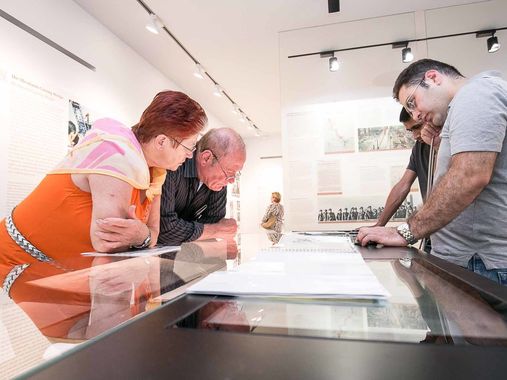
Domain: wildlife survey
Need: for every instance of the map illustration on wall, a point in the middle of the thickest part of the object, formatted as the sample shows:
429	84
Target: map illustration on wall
338	138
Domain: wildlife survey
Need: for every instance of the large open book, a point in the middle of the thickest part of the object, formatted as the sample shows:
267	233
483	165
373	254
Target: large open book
298	273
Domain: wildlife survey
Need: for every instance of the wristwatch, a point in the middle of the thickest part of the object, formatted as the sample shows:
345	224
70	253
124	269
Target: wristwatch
404	231
144	244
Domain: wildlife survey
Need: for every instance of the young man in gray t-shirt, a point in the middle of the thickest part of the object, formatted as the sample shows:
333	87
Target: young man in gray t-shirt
466	213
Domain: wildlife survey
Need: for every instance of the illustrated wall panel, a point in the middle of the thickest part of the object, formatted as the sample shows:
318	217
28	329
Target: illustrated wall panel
340	181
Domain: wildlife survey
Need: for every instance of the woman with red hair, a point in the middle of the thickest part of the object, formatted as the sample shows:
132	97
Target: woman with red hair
104	196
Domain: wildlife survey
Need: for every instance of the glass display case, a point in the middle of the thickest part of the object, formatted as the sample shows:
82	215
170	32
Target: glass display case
131	317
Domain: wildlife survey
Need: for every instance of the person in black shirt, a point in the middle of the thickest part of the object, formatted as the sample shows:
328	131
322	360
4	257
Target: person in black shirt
417	168
194	197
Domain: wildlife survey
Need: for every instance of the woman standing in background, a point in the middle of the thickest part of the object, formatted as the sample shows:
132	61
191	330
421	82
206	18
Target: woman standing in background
273	218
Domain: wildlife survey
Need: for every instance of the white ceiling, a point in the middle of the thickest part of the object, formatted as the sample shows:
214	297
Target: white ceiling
243	43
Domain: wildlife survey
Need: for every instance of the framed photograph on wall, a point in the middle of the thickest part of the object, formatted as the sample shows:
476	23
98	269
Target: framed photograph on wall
366	209
393	137
79	122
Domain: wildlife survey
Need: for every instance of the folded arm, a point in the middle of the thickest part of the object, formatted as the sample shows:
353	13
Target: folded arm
113	227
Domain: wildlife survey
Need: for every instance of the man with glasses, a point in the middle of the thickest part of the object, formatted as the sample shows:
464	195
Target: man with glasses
417	168
194	197
466	212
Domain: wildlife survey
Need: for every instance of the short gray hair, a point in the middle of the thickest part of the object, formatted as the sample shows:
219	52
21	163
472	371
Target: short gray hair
221	141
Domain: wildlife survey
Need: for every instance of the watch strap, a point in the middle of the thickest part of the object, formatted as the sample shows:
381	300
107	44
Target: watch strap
404	231
145	244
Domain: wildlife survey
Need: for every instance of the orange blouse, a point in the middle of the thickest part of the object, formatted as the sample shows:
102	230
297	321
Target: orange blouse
56	219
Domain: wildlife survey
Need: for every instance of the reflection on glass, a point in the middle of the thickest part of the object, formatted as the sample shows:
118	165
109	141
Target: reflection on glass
83	297
425	308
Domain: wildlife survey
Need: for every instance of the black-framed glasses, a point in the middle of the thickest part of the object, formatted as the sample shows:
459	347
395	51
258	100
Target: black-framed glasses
191	150
410	104
228	178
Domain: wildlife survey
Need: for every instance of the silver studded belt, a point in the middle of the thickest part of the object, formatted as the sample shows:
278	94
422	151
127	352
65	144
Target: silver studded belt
29	248
23	243
12	276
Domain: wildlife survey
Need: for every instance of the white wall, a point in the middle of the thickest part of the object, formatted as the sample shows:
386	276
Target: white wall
123	84
121	87
260	177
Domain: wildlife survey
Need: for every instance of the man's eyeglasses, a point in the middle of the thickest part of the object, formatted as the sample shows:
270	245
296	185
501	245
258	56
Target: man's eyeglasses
410	104
228	178
191	150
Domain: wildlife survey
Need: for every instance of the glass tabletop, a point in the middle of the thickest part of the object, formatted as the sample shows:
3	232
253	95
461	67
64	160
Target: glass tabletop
424	307
55	308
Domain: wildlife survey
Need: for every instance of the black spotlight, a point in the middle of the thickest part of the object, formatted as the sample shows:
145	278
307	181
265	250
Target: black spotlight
493	44
406	55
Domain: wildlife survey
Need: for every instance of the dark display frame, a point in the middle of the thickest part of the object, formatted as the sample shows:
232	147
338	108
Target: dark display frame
148	347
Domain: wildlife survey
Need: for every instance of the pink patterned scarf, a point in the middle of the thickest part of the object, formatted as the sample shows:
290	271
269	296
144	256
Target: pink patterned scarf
110	148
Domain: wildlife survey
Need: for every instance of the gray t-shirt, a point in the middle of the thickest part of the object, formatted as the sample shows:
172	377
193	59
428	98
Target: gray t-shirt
477	122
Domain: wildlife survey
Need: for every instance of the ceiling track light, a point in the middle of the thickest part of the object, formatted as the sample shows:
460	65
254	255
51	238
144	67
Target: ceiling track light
492	42
406	53
493	45
154	25
334	65
199	71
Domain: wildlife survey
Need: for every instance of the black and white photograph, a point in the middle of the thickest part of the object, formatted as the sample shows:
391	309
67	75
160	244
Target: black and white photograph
357	211
79	122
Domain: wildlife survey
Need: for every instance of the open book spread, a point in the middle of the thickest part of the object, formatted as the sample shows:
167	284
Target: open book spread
289	271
